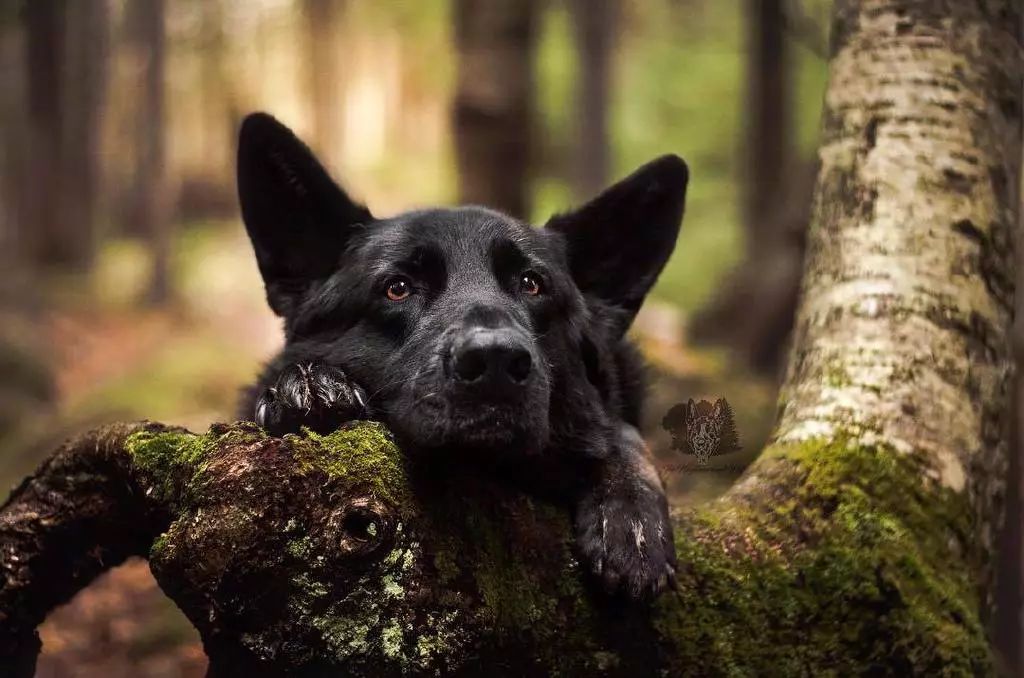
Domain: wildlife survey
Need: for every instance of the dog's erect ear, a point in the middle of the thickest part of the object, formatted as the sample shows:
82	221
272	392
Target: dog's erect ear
298	219
619	241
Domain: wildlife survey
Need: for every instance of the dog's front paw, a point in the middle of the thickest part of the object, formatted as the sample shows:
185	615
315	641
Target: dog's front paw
624	537
310	394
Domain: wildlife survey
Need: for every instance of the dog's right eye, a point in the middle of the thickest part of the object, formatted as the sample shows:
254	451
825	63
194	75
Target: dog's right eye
398	289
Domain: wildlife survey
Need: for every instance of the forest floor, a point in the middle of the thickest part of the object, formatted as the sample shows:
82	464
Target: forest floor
184	364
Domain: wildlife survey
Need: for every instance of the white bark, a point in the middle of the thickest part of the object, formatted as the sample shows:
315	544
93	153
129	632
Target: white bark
903	330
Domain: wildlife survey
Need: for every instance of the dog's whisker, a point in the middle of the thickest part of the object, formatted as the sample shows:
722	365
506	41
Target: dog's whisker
371	396
422	398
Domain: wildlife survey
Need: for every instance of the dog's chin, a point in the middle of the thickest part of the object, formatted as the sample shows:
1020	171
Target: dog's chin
493	429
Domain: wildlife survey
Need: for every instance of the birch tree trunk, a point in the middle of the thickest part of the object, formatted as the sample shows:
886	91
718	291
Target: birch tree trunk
902	331
859	542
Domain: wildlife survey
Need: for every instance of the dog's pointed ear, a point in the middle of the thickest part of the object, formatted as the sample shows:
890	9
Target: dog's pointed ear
619	241
297	218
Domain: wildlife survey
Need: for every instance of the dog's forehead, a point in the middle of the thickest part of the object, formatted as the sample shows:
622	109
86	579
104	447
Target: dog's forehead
471	230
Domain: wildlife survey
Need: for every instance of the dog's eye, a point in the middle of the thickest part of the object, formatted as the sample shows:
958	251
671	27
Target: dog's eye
529	283
398	289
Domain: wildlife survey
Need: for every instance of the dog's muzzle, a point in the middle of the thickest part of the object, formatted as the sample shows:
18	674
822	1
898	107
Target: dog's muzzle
490	362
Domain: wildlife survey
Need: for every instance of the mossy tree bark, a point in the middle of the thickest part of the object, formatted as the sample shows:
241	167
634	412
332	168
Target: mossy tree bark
859	542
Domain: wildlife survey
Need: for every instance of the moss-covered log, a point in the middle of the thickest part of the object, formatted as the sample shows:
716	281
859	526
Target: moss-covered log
859	542
311	553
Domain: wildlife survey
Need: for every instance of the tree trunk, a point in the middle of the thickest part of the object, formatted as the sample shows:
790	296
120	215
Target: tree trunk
493	106
45	29
776	196
67	89
323	78
594	24
860	542
768	142
152	204
907	299
85	86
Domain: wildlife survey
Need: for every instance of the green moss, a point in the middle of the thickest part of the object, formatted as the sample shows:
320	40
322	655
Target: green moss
362	452
174	459
857	566
446	566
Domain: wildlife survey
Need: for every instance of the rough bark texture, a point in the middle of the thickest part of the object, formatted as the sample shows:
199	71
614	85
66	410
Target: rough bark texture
80	514
902	333
854	545
496	42
312	554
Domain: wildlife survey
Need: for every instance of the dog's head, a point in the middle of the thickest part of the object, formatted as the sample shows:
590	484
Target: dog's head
467	328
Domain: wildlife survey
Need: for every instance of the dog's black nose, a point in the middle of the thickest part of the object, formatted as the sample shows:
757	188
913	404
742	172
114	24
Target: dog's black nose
489	357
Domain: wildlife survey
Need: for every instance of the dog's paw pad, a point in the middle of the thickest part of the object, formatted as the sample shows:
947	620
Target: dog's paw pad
627	545
311	394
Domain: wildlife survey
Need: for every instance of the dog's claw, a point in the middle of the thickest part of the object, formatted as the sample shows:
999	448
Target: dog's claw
318	396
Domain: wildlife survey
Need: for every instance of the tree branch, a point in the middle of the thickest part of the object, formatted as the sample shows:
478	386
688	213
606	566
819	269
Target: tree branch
84	511
318	553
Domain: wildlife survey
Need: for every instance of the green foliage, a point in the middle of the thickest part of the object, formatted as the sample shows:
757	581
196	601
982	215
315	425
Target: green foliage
679	88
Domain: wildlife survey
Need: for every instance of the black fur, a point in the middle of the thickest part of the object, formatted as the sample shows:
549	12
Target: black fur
473	362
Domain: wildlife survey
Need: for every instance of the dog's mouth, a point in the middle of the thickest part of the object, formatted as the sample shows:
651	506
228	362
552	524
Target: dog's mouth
430	412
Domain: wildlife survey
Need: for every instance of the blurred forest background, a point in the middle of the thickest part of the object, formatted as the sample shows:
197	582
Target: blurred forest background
127	285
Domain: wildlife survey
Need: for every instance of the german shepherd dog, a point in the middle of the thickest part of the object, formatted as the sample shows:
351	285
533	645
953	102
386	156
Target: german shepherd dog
472	335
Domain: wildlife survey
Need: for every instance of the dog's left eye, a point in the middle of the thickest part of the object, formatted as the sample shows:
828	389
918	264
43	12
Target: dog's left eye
529	283
398	289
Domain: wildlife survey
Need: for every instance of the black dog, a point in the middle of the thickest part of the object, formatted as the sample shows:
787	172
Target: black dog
466	330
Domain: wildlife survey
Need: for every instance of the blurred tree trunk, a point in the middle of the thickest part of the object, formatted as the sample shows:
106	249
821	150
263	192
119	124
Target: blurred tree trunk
754	312
219	125
323	79
493	107
14	158
67	62
151	203
45	29
768	141
88	47
1008	621
594	23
